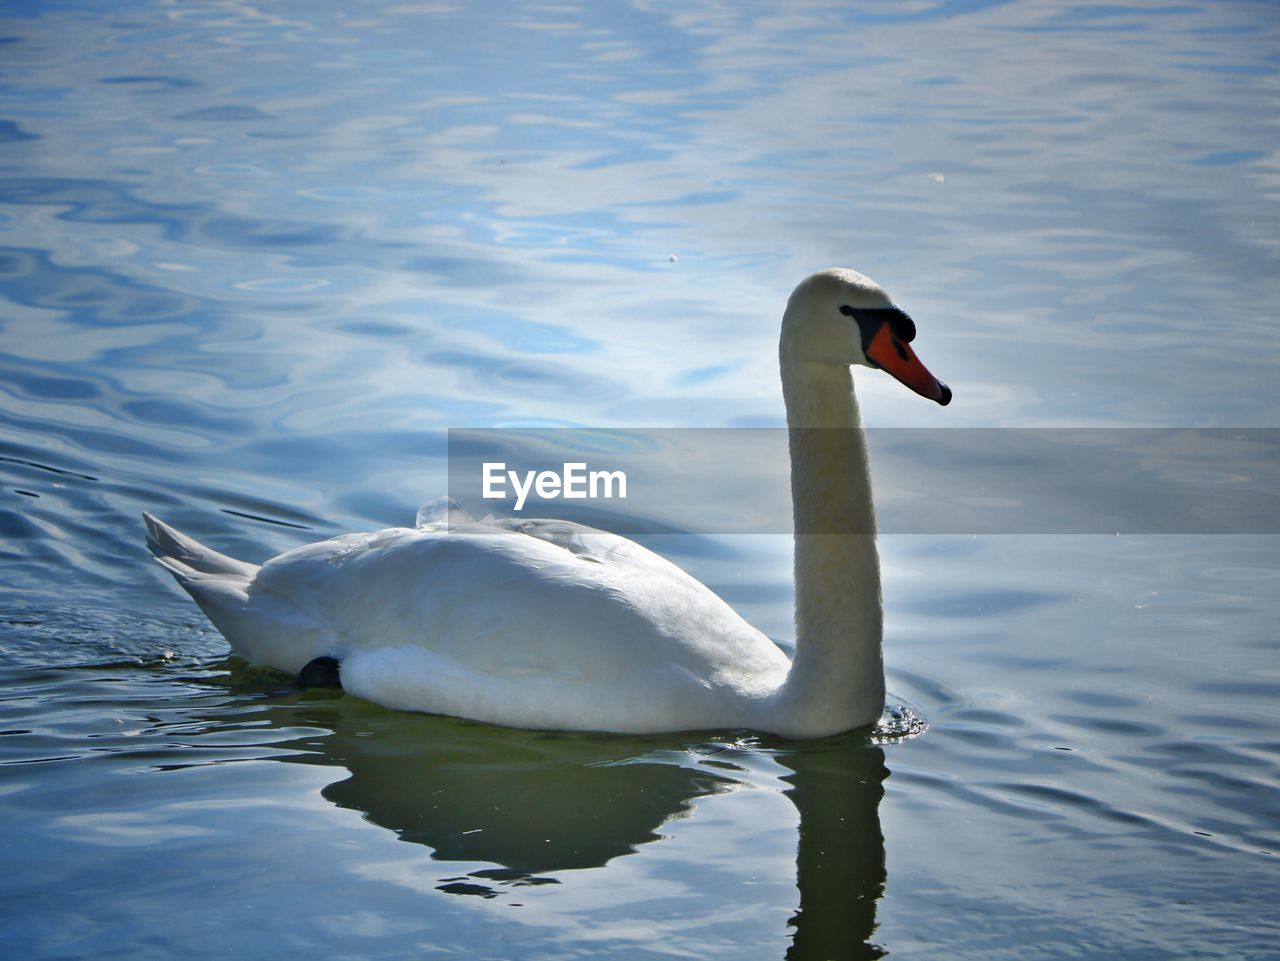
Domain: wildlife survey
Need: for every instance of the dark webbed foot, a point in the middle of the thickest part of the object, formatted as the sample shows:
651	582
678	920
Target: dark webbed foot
320	672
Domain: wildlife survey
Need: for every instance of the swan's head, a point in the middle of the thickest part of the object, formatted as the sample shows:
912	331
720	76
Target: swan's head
840	317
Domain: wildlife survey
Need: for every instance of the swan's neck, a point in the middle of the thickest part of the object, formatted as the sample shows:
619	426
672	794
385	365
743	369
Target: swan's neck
837	678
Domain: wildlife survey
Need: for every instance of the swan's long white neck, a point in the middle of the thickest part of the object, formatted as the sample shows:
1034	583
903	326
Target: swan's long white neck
837	678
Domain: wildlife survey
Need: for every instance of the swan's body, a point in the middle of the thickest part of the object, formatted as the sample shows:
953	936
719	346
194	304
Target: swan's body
549	624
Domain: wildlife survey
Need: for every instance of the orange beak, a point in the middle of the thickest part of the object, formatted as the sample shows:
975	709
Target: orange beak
897	357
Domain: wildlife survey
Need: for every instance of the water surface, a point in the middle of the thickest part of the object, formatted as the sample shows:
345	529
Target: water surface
257	259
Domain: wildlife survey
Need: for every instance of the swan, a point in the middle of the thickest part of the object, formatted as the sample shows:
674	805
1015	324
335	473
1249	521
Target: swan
557	626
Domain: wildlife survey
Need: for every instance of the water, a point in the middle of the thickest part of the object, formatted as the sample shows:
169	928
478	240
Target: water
257	259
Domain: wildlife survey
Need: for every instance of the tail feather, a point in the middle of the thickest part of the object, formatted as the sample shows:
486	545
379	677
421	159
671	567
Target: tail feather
186	557
262	626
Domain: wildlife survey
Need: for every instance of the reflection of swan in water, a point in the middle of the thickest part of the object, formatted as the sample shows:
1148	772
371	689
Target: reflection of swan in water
527	802
534	804
836	786
552	625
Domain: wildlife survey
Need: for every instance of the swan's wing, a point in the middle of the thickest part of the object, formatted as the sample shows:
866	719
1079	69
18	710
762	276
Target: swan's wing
585	543
582	623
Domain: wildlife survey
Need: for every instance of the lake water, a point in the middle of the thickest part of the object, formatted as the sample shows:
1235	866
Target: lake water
257	259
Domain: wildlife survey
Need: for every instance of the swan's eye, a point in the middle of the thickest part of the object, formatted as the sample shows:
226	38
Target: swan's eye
870	319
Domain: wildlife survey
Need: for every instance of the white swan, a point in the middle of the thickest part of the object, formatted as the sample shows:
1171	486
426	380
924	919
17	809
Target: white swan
552	625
